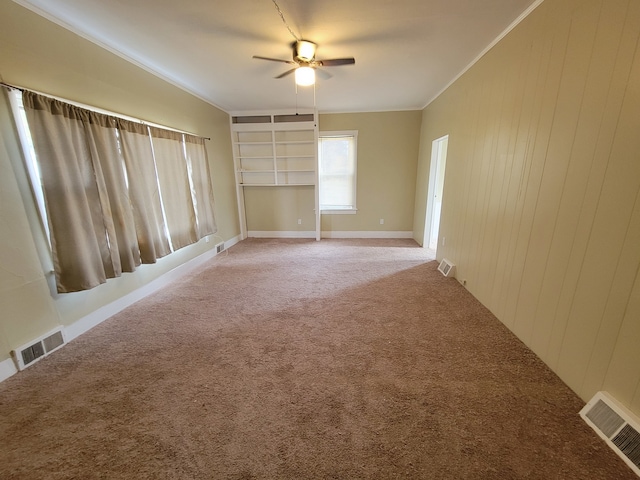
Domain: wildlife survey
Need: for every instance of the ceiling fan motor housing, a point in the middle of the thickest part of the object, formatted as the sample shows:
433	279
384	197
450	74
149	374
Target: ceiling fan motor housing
304	51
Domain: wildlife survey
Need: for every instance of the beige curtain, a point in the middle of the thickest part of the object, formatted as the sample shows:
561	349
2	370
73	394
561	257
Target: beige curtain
102	139
173	178
202	191
144	191
115	191
83	237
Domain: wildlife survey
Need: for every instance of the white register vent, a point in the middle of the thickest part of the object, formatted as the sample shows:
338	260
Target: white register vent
446	268
38	348
616	426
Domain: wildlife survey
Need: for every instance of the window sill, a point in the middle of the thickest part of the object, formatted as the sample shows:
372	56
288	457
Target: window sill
351	211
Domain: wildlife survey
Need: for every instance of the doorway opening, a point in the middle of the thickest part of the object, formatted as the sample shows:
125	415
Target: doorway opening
434	196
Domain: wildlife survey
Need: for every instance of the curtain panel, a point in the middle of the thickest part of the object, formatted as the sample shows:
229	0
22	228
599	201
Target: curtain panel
115	195
146	204
173	177
201	189
102	141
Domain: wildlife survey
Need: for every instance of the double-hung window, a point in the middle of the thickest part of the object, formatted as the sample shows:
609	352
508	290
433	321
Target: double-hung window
337	161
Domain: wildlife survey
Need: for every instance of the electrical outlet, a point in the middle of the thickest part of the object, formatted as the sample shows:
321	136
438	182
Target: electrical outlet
443	241
299	221
382	221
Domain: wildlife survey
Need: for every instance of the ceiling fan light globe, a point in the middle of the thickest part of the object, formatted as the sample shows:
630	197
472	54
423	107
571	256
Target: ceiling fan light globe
305	50
305	76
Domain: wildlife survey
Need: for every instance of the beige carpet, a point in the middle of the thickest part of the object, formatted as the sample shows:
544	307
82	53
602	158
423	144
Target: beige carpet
295	359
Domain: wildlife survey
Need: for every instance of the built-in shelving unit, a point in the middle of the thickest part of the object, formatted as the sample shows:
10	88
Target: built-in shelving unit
275	150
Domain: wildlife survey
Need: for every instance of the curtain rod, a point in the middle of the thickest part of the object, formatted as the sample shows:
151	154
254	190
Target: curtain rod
21	89
13	87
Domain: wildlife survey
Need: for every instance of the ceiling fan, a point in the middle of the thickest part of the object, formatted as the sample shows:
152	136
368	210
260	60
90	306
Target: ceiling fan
304	59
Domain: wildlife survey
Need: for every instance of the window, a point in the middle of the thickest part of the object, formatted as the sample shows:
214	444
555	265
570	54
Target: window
337	159
112	193
15	99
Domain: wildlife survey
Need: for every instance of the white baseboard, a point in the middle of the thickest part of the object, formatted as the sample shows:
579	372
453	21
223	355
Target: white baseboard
281	234
230	243
7	369
100	315
365	234
329	234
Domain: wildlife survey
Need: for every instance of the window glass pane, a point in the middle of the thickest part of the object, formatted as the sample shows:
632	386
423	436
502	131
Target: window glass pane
336	192
337	168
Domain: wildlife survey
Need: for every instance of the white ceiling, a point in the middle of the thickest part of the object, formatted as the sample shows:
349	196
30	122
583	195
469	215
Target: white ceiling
406	51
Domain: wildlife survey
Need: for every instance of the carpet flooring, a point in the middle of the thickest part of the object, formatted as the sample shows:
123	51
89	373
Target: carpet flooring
296	359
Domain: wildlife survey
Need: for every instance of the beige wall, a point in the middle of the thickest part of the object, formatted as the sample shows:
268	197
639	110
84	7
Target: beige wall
541	208
277	209
387	161
39	55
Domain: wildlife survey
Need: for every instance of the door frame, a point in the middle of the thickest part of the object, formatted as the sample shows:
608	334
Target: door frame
439	148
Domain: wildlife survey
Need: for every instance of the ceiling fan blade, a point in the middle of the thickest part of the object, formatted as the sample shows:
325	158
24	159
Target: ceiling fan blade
286	73
290	62
336	61
323	74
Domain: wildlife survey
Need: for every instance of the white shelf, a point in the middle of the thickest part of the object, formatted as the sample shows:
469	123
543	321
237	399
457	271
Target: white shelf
288	156
275	150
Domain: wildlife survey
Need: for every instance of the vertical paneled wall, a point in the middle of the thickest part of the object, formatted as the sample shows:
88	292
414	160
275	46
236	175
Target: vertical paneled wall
541	208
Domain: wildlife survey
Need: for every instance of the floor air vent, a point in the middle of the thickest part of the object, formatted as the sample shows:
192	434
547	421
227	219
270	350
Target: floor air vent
37	349
616	425
446	268
220	247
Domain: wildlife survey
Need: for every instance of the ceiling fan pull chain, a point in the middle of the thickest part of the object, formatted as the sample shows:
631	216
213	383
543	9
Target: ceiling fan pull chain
284	21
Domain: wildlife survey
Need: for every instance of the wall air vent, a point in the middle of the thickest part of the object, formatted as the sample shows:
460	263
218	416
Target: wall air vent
281	118
252	119
39	348
616	426
446	268
308	117
220	247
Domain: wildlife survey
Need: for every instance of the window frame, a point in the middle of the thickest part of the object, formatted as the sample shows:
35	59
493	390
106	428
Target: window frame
353	134
30	162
